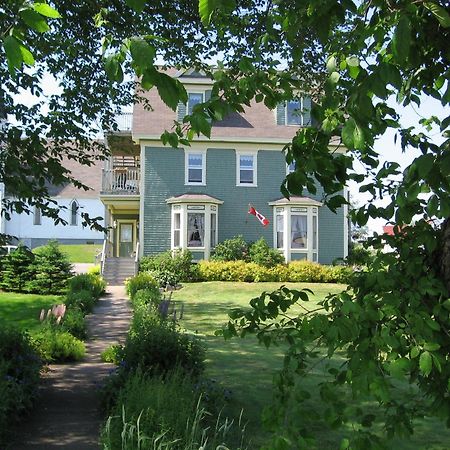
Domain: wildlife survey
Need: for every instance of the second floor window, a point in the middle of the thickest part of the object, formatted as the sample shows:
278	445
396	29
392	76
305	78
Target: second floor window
194	99
195	168
246	170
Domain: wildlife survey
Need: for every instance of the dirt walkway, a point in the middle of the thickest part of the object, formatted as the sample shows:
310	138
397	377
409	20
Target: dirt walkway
66	416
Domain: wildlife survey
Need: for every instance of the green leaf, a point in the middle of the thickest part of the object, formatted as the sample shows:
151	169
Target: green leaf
13	52
34	20
425	363
432	346
245	64
46	10
137	5
439	12
401	41
352	61
27	56
169	90
345	444
142	52
112	67
424	164
206	9
334	78
358	137
399	367
331	64
414	353
348	133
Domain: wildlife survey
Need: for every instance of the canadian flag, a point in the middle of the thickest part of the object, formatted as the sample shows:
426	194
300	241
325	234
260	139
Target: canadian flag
258	215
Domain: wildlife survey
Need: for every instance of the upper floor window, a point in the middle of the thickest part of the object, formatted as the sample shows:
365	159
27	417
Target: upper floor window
194	99
246	166
195	168
37	219
294	112
74	213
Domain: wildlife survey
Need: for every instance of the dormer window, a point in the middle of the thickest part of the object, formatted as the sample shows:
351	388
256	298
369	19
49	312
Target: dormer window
194	99
295	112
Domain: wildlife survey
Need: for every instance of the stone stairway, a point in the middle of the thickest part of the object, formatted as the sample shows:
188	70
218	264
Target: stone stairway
117	270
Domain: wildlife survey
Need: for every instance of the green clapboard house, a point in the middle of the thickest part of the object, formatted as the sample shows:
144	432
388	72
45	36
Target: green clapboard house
192	198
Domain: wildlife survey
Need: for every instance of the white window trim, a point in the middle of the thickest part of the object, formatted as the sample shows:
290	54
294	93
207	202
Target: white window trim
202	93
182	209
311	210
254	154
188	152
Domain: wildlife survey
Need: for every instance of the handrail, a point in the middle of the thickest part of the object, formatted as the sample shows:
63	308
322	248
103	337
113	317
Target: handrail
136	258
103	258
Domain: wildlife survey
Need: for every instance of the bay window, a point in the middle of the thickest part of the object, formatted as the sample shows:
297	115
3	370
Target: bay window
296	228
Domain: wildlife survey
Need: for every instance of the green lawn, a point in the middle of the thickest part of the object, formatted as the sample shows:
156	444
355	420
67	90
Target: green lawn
247	368
22	310
80	253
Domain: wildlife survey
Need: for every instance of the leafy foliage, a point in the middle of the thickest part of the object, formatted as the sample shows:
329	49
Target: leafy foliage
19	377
56	345
51	269
90	282
260	253
231	250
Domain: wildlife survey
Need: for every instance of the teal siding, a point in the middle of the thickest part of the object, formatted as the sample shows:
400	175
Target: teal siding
164	178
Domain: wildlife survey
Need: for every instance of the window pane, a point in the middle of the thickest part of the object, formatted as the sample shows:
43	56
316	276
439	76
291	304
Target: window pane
195	160
299	232
74	212
314	232
213	230
195	176
196	229
291	167
293	112
246	176
176	238
37	216
177	221
246	161
280	230
126	233
194	99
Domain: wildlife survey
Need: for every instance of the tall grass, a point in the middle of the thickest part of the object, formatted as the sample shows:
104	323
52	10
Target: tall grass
155	413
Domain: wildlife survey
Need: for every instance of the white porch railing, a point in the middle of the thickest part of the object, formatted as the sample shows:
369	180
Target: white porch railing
136	259
121	180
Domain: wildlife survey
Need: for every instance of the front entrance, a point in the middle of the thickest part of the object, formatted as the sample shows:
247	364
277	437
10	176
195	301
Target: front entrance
126	238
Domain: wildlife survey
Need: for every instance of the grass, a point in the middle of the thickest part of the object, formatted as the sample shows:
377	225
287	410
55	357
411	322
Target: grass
247	368
22	310
79	253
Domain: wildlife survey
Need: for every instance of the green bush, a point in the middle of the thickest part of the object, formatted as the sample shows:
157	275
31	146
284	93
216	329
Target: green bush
90	282
142	280
19	377
51	269
296	271
233	249
156	346
82	299
146	297
56	345
17	269
74	323
260	253
113	354
359	255
168	268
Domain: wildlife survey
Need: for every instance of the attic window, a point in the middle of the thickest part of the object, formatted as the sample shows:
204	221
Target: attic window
295	112
74	207
194	99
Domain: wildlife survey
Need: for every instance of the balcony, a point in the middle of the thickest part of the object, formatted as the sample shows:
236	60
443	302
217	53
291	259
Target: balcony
121	181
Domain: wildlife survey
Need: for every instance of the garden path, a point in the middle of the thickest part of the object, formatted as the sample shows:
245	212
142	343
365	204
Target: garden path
67	414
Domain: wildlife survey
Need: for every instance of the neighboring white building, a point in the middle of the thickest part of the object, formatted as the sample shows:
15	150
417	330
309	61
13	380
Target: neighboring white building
34	229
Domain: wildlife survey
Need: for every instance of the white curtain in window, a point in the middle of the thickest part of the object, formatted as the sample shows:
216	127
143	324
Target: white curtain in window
280	230
299	231
196	229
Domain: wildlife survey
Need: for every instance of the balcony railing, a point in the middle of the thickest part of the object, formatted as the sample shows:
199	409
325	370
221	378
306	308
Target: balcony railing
121	181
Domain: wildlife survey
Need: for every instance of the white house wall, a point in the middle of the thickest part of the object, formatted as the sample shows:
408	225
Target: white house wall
22	227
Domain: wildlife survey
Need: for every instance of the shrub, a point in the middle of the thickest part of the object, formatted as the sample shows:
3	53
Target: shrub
260	253
168	268
142	280
306	271
90	282
17	269
95	270
359	255
56	345
74	323
51	269
145	297
113	354
19	377
231	250
82	299
155	345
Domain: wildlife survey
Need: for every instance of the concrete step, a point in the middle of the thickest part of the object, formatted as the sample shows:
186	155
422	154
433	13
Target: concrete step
117	270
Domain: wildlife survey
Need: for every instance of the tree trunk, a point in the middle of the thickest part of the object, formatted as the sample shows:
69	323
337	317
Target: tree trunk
444	253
